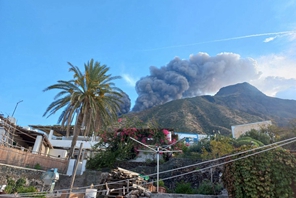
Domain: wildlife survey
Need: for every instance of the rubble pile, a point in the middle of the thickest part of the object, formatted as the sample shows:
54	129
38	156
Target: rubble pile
124	183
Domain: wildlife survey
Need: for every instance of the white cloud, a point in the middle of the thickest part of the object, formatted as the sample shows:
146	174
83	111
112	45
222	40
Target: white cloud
130	80
278	74
277	65
269	39
273	85
290	34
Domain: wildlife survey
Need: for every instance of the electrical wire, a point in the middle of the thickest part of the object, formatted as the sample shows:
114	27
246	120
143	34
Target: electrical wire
277	144
226	156
233	160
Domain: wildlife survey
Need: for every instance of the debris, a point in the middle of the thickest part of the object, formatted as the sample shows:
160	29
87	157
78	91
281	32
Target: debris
124	183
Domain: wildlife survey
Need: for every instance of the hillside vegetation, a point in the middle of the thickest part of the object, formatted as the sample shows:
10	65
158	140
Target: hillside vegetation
232	105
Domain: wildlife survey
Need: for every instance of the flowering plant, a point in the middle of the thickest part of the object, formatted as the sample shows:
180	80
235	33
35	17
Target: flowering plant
117	144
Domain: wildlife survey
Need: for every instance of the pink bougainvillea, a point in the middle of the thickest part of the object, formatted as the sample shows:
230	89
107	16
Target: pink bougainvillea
165	132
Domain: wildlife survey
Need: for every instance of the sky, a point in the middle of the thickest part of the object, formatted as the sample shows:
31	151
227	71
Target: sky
164	50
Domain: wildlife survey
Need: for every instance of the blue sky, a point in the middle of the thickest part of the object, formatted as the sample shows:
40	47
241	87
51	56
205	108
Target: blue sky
38	38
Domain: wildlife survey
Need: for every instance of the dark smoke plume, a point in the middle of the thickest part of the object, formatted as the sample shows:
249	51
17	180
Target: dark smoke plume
201	74
125	106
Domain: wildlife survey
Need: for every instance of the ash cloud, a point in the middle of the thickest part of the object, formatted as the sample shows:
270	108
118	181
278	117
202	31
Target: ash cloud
200	74
125	106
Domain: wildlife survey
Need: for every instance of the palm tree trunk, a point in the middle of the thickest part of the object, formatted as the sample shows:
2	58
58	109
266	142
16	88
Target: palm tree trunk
76	132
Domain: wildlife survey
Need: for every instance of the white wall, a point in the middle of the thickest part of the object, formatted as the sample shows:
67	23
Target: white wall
65	142
145	156
239	130
58	152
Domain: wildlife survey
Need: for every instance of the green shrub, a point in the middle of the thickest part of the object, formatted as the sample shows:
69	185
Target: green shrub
269	174
161	183
184	188
206	188
261	136
19	187
38	166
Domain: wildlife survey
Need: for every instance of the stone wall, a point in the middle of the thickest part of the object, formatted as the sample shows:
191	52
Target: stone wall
89	177
33	177
166	195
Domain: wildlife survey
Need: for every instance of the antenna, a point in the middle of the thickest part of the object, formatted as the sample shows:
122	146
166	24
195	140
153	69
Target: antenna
157	150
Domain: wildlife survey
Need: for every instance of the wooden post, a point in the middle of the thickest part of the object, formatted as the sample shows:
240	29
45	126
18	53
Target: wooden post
212	175
75	169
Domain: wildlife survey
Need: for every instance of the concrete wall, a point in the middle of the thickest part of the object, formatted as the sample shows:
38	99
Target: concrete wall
239	130
58	152
145	156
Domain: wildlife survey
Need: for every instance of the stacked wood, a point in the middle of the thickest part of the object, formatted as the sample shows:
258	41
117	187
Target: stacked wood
122	183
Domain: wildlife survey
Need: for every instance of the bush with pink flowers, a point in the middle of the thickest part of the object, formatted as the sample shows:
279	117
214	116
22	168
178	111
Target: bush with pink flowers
116	144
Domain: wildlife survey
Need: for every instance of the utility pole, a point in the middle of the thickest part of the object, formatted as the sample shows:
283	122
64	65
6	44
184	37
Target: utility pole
8	132
157	151
16	107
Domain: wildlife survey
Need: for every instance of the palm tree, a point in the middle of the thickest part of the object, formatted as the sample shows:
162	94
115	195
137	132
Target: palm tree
90	98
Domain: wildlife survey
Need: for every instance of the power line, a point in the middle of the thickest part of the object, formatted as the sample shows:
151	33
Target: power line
233	160
274	145
224	157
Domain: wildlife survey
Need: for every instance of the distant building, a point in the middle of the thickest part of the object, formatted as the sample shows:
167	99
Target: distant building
190	138
238	130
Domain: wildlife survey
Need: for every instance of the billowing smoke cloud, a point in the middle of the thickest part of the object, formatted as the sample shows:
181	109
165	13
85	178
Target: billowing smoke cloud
201	74
125	106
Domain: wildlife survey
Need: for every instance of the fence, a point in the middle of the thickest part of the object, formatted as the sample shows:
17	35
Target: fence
17	157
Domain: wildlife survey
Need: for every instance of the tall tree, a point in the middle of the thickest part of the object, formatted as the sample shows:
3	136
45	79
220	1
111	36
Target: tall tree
90	98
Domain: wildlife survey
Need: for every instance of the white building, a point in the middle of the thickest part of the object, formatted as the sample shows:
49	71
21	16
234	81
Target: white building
62	144
238	130
190	138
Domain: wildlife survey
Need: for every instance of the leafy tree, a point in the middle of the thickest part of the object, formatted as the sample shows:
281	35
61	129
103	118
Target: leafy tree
219	146
289	132
90	97
262	135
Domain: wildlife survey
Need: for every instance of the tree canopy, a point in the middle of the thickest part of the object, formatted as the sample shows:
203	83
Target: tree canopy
90	98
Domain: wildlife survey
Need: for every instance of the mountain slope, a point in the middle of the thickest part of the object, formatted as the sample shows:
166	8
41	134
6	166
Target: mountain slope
232	105
245	97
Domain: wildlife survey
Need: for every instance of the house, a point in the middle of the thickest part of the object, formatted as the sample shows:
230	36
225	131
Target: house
190	138
24	147
62	144
22	138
